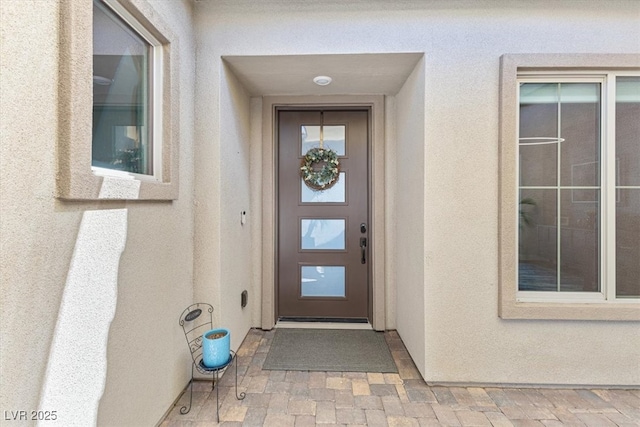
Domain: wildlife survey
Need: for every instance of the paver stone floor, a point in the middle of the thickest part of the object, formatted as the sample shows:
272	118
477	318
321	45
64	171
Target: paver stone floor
300	398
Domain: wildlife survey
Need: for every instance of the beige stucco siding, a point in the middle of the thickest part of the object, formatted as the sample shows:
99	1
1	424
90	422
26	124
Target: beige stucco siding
410	208
37	241
441	169
147	353
130	302
456	276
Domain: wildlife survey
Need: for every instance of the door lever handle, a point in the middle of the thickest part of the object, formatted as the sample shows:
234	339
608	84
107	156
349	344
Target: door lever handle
363	249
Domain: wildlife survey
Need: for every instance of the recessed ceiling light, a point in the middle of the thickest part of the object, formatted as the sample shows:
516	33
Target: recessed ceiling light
322	80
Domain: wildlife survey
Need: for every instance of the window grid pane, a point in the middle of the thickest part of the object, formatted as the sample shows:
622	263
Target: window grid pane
559	180
627	130
538	236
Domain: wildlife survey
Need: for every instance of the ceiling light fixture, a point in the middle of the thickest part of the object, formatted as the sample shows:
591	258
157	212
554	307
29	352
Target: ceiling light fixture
322	80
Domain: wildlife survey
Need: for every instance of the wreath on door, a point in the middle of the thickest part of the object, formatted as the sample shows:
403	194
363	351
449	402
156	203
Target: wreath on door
320	168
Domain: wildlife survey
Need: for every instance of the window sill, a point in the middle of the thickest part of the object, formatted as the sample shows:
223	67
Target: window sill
609	311
99	185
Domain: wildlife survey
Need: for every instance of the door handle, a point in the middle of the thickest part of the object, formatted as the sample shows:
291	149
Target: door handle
363	249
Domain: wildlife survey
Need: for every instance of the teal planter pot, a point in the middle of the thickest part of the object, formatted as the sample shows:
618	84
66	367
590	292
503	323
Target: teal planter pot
216	346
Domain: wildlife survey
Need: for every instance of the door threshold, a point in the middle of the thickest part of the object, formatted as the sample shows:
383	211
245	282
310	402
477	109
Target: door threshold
287	324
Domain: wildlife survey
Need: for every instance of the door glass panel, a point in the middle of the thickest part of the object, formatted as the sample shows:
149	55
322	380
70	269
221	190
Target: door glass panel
335	194
323	281
333	138
322	234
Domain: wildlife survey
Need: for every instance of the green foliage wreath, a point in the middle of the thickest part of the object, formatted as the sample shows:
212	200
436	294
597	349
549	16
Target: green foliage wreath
324	177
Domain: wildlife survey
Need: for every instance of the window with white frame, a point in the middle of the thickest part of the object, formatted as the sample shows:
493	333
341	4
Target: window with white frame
118	111
127	86
578	174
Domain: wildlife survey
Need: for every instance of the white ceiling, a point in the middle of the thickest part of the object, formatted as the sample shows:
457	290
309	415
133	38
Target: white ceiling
352	74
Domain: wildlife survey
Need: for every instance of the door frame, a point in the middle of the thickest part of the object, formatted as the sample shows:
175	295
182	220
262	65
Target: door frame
268	174
356	301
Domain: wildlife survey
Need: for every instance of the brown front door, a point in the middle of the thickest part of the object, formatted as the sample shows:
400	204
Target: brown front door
323	239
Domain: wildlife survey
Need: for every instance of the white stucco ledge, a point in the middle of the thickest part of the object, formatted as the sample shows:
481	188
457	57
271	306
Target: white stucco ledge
75	178
570	311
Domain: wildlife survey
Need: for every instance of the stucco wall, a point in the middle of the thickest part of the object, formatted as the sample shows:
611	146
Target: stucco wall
165	250
37	241
235	238
464	340
223	264
120	279
147	350
410	206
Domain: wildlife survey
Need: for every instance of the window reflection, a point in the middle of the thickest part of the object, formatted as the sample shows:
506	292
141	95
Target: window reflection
333	138
559	205
323	281
627	176
322	234
335	194
120	95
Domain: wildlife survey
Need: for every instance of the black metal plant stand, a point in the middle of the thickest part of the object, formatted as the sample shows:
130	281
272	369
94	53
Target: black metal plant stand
216	372
194	326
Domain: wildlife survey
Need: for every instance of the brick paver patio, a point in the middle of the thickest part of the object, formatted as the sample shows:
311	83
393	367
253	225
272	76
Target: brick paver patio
292	398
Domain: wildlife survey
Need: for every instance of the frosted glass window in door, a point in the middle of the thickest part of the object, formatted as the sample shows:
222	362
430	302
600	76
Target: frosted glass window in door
322	234
323	281
335	194
333	138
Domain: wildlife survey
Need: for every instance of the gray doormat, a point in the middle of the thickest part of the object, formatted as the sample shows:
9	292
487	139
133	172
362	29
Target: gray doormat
330	350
